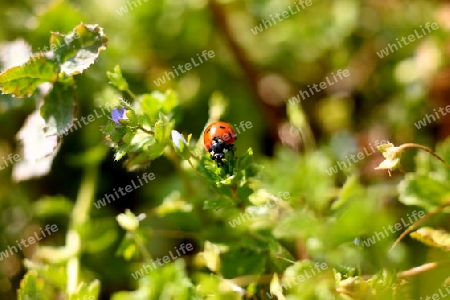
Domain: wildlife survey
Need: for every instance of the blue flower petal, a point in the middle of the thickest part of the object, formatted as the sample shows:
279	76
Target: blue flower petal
118	113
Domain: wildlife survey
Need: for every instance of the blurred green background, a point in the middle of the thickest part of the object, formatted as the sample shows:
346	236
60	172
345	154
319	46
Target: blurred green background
380	100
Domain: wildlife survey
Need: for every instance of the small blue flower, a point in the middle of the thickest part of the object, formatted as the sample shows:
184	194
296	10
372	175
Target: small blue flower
119	113
177	137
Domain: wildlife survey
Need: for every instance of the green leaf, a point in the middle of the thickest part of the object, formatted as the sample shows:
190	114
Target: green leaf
167	282
161	134
246	159
53	275
211	255
98	234
423	191
158	102
59	108
79	49
85	292
53	205
127	248
275	287
117	79
241	261
23	80
351	191
433	237
31	287
301	224
279	254
309	278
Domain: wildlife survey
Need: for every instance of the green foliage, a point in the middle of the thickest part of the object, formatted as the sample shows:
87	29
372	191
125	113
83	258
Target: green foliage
267	223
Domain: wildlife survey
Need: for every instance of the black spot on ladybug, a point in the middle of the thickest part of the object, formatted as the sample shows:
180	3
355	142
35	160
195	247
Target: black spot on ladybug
223	127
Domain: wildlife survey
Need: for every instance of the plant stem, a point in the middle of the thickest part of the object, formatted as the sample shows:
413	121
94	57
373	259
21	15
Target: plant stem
176	162
414	145
438	209
196	172
423	268
420	221
146	131
132	95
79	217
144	251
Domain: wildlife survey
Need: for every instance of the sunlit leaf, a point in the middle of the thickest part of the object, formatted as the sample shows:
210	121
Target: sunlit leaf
38	149
433	237
79	49
21	81
31	287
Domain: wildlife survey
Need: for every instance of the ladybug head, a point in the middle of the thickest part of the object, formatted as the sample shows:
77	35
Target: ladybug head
218	150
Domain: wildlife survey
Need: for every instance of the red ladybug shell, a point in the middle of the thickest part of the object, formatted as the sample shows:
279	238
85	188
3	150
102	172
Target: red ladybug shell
219	129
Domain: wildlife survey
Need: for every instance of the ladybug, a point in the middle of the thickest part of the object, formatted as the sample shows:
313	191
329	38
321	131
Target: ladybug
218	139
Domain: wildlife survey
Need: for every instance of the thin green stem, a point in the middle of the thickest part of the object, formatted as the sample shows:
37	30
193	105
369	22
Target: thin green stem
132	95
147	256
176	162
146	131
420	221
414	145
421	269
197	173
79	217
